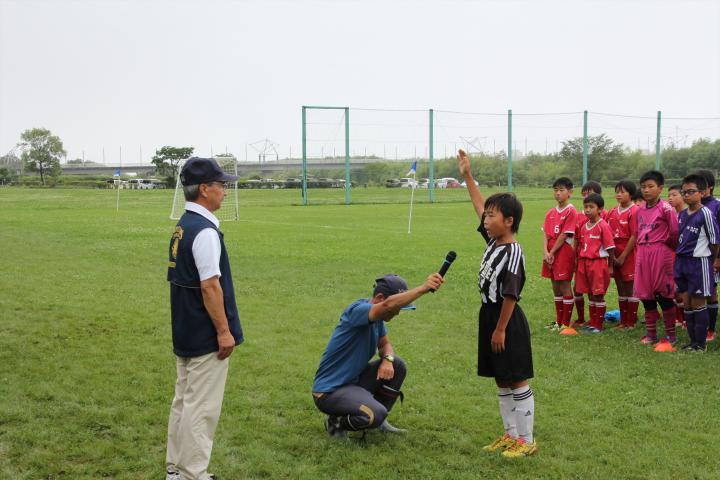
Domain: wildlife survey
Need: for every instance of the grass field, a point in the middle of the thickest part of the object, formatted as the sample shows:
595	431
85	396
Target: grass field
87	370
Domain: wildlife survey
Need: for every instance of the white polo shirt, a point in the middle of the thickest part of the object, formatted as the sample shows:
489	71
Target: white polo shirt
206	247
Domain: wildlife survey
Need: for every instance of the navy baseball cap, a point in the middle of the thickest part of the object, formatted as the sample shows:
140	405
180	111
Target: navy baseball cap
392	284
203	170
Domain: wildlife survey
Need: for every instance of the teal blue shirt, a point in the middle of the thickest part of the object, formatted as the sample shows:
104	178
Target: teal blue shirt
352	344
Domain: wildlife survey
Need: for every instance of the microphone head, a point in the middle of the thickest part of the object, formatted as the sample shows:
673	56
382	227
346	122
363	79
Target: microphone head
450	256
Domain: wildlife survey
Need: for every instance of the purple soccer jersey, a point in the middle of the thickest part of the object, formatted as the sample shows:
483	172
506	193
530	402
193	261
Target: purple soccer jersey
698	231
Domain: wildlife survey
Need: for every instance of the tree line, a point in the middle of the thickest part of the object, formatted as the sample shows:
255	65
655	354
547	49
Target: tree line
608	162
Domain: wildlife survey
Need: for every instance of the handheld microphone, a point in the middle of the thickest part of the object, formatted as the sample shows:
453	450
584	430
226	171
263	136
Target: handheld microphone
449	259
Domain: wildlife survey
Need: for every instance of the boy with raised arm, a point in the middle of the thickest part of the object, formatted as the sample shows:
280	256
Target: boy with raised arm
504	351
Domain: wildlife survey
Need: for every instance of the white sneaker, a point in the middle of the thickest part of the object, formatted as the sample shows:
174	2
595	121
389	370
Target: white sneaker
172	474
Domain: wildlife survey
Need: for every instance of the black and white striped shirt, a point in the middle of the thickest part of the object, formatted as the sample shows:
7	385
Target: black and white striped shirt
502	270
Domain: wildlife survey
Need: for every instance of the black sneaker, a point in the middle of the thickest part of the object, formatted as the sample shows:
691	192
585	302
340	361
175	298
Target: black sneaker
699	349
332	427
688	348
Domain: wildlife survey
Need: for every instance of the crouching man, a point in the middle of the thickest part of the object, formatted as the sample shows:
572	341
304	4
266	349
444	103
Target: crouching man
357	395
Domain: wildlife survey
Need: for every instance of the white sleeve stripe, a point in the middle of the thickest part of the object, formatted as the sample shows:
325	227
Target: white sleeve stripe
709	226
515	255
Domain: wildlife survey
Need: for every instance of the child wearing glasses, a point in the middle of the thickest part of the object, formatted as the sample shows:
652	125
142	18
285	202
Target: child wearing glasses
696	250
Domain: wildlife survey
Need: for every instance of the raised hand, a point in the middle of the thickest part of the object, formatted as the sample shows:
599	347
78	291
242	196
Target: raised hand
463	162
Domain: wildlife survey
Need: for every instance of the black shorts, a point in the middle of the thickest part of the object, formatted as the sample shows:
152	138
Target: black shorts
514	364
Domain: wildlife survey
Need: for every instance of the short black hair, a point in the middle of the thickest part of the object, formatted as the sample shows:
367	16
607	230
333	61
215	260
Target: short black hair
595	198
626	185
709	178
508	205
637	196
593	186
563	182
653	175
675	186
699	180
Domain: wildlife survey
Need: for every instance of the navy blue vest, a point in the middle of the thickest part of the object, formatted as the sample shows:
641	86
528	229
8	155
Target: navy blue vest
193	332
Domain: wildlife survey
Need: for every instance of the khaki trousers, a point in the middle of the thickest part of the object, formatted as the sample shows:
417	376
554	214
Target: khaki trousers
194	414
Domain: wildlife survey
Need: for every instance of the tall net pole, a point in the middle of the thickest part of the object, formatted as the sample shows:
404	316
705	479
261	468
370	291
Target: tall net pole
585	148
304	155
510	150
431	172
658	151
347	155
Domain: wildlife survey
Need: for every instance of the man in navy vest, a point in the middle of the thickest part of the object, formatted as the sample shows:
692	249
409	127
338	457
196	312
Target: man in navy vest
205	320
357	395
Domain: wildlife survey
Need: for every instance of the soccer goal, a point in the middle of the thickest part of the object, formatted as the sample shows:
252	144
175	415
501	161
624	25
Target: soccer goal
230	209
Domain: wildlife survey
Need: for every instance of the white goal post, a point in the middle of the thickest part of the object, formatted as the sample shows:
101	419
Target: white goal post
230	209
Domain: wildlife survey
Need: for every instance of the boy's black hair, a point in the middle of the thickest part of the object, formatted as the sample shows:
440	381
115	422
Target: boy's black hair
595	198
593	186
508	205
699	180
709	178
653	175
675	186
563	182
626	185
637	196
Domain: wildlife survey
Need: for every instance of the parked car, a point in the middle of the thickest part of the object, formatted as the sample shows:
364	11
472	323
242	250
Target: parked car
423	183
392	183
447	182
464	185
408	183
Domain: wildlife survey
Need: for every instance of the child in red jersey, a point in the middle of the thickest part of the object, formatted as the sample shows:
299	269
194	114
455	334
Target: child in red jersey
558	255
675	199
587	188
595	258
624	228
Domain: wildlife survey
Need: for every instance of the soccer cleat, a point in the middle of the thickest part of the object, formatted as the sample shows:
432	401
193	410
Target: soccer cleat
520	449
688	348
647	340
577	324
699	349
386	427
553	326
710	336
172	474
332	427
500	443
671	340
592	330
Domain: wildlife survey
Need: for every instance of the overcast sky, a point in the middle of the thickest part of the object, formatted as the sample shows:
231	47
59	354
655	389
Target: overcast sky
211	74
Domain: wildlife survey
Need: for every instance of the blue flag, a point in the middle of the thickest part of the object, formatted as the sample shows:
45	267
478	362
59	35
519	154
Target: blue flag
413	169
117	173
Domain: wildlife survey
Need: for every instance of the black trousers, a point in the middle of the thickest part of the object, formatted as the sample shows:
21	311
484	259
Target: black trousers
366	403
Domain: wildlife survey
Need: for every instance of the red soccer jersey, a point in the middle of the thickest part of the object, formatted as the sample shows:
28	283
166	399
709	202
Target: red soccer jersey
595	241
582	219
622	223
559	221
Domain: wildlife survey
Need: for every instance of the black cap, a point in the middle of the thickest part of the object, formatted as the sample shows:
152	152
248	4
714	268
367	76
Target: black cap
203	170
391	284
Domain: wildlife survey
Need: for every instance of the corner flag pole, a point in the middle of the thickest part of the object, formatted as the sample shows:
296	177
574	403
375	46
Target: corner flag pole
412	172
412	196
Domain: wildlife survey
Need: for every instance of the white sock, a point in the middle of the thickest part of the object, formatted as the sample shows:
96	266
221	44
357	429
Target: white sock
505	396
524	412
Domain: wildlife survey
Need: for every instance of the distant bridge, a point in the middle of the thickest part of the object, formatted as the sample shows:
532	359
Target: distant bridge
145	170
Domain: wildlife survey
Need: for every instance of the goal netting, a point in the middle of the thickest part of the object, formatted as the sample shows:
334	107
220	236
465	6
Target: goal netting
229	210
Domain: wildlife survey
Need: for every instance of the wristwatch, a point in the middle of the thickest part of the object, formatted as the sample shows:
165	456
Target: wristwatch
389	358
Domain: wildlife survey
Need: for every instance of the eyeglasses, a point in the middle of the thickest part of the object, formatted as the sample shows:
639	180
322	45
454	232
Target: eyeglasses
689	191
